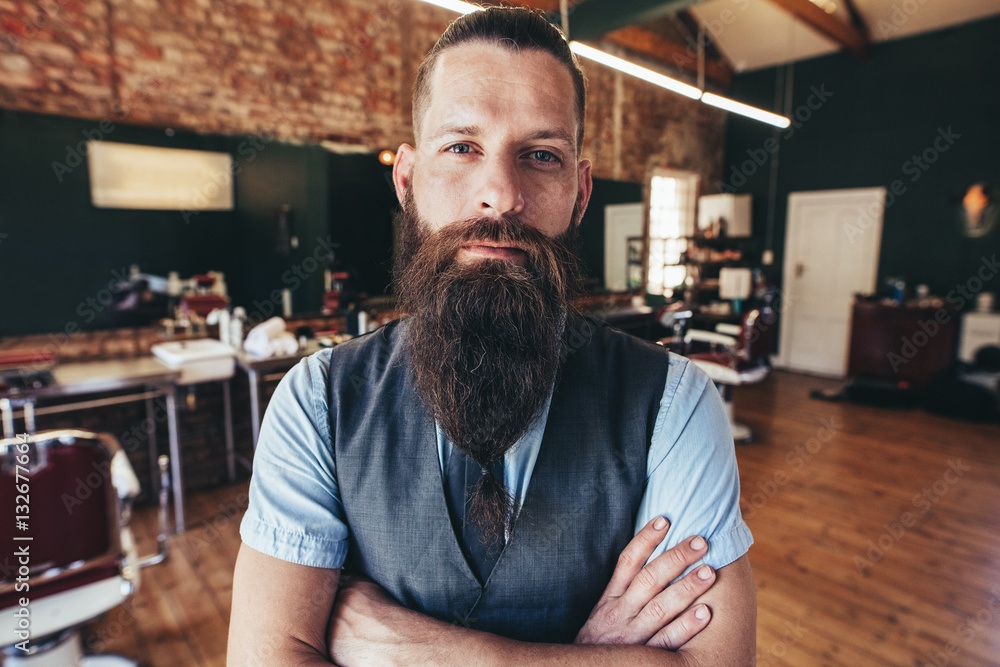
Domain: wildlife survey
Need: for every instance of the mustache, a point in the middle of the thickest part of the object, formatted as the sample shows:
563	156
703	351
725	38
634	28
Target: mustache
546	256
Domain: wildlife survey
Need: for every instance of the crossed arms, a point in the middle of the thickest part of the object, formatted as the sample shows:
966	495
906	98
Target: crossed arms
282	616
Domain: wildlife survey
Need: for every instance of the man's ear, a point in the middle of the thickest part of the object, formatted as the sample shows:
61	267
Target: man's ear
585	188
402	168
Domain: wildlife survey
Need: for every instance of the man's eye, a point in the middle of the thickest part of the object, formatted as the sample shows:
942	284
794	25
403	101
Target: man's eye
460	148
543	156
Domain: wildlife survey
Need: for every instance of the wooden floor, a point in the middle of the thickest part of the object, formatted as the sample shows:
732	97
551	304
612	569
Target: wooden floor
877	542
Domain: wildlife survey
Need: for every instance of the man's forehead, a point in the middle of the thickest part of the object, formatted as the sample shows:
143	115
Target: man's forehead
483	74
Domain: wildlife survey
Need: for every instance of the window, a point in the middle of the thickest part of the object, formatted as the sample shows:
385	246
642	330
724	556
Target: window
672	198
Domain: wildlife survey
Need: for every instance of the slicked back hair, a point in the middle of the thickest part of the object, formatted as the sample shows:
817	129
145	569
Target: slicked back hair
512	28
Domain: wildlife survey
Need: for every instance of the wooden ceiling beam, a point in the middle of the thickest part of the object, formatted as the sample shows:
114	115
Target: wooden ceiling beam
647	43
845	34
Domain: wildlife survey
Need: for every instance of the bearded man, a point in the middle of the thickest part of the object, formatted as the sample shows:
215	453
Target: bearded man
494	473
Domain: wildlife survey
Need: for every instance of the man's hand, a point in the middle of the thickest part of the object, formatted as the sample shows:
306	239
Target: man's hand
638	606
367	624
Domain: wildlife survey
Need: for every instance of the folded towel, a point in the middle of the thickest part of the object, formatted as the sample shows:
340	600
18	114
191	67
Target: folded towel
270	339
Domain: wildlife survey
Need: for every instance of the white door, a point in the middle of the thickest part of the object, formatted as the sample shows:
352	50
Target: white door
831	252
620	222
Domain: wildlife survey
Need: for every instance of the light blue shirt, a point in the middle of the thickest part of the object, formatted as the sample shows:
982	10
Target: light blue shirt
295	512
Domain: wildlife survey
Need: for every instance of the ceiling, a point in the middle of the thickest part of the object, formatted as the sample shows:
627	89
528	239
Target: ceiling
745	35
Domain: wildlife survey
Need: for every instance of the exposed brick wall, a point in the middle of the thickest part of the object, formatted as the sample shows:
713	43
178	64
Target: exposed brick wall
300	70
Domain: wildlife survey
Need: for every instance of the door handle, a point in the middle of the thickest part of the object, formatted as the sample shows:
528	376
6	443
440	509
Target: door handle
800	268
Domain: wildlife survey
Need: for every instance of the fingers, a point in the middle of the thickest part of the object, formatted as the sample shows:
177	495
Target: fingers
663	569
635	555
678	632
676	598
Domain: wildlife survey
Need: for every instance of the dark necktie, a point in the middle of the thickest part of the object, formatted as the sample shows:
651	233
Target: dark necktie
463	474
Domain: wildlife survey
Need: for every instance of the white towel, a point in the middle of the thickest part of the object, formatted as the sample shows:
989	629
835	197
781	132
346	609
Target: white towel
270	339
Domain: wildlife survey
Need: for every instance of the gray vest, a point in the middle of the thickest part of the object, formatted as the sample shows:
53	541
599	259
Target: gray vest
580	506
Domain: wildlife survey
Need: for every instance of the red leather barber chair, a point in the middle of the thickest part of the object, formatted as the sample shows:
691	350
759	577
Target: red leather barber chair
736	355
68	554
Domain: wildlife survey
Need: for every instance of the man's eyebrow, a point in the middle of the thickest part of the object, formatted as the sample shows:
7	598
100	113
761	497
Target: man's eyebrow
556	133
464	130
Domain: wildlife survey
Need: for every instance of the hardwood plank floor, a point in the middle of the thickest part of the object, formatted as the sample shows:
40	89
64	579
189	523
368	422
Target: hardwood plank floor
877	542
877	531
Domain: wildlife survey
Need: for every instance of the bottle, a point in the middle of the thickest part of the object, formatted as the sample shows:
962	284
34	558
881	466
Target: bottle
224	326
236	327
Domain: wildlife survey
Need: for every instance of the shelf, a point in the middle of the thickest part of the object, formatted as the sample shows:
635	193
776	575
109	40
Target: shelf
694	262
717	240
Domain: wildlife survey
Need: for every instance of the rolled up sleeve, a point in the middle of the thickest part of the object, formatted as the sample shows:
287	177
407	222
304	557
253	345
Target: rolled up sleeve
692	476
295	512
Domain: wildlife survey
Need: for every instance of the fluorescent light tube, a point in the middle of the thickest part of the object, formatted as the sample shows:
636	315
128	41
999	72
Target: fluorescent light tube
645	74
746	110
455	6
635	70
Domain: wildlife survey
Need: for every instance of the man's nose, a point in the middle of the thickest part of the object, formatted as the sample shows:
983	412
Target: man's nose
501	194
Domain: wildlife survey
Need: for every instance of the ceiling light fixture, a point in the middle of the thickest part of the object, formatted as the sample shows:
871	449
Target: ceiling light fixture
455	6
745	110
635	70
645	74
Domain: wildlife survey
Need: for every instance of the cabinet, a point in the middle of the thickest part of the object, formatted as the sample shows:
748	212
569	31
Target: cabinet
901	344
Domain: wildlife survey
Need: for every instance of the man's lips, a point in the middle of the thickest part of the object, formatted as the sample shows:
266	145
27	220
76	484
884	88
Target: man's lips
490	251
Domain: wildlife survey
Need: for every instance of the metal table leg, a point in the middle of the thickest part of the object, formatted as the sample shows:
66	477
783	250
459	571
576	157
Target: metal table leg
254	405
29	416
8	419
227	405
151	444
175	461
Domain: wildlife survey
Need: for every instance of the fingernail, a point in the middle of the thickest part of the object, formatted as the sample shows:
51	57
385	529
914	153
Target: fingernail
704	572
698	543
701	613
659	523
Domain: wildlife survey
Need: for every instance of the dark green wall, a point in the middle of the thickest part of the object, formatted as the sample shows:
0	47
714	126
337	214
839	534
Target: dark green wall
880	115
267	179
58	253
362	204
605	192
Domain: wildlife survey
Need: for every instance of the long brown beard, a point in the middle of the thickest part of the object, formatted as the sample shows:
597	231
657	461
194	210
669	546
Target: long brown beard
485	338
